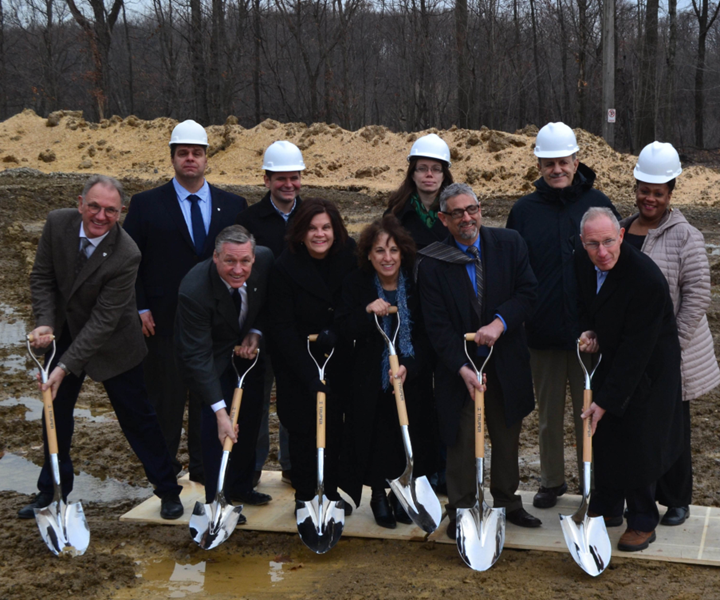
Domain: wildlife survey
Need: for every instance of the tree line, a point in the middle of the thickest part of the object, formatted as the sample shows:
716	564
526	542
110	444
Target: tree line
405	64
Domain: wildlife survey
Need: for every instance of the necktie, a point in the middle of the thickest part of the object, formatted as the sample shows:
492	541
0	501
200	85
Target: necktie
478	274
237	299
198	227
82	256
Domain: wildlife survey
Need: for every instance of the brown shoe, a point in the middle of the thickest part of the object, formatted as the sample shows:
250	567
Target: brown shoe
633	540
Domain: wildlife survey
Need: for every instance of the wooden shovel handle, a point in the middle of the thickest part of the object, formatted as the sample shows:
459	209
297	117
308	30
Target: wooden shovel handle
470	337
234	413
479	424
31	337
399	393
587	437
392	310
321	414
50	429
313	337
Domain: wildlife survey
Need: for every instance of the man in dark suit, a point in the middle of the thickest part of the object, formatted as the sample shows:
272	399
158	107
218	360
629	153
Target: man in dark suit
175	227
219	307
479	279
83	293
626	313
268	221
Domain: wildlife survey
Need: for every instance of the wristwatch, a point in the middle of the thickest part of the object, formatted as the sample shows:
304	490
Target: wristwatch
64	368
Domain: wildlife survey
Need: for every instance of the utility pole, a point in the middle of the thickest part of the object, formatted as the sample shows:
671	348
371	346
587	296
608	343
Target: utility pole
608	72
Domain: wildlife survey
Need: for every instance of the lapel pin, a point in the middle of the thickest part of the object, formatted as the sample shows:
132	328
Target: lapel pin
104	253
218	209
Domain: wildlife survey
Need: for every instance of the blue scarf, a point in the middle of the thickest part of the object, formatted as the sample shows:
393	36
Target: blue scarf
404	346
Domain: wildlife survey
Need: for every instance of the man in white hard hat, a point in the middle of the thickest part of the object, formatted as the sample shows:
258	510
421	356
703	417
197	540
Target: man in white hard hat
175	226
268	220
549	222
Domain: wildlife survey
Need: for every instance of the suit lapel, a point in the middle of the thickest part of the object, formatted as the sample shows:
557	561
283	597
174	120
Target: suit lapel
99	256
612	281
217	211
462	289
172	207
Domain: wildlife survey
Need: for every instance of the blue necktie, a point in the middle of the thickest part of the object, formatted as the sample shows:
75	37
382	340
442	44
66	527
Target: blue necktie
198	227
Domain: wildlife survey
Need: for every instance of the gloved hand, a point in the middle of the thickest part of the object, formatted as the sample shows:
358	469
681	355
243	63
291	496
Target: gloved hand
318	386
325	342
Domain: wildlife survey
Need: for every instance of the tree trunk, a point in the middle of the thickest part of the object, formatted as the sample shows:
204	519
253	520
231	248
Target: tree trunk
705	22
257	34
565	106
645	120
197	45
669	87
519	91
130	62
608	81
3	83
461	25
216	105
582	77
536	60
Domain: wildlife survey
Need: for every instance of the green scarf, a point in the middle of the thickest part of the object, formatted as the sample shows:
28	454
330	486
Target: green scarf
426	216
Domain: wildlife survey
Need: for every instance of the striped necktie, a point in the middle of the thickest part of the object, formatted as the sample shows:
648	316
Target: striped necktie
479	279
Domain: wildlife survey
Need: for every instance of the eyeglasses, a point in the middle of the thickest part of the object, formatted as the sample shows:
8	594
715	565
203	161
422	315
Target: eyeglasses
609	243
435	170
458	213
94	209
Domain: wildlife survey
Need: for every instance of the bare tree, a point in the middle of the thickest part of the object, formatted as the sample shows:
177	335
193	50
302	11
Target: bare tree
669	83
705	21
197	46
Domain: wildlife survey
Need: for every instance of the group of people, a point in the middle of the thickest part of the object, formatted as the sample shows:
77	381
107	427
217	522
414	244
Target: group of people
210	281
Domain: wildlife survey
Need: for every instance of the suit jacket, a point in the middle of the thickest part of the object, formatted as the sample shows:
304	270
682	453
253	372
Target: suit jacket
266	224
158	227
207	327
449	306
638	380
97	307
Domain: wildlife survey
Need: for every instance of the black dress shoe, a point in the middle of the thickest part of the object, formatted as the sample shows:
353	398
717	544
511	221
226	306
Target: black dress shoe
251	497
401	515
675	515
452	529
41	500
171	507
547	497
381	509
523	518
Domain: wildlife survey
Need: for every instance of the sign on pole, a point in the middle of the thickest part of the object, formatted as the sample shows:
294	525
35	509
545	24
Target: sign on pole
611	115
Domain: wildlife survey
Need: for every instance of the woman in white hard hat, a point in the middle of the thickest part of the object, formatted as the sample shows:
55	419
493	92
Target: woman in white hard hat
678	248
414	203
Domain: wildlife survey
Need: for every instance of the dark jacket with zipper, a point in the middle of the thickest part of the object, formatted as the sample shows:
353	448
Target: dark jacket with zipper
266	224
419	232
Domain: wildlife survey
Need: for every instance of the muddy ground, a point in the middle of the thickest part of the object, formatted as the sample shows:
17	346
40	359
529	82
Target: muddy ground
126	561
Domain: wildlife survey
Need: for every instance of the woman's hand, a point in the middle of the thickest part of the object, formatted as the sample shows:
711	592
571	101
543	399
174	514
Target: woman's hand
589	342
401	374
379	307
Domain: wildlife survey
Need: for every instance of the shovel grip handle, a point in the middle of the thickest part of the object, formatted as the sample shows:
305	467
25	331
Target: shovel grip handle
399	393
49	412
313	337
587	428
31	337
321	413
470	337
479	424
392	310
234	413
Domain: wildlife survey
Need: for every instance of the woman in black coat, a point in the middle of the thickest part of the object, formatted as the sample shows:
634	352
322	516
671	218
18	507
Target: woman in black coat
373	441
304	291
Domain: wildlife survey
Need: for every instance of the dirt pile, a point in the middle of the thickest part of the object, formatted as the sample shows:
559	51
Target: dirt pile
371	160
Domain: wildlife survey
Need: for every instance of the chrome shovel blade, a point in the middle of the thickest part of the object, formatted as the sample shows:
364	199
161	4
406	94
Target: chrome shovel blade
212	524
320	523
419	501
588	542
480	535
64	528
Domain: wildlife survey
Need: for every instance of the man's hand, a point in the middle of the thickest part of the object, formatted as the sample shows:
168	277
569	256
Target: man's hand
42	336
488	335
54	381
379	307
401	374
595	413
225	428
248	348
471	381
589	342
148	323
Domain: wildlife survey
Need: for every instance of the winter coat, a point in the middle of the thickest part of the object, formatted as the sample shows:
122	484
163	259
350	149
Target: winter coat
419	232
549	222
679	250
266	224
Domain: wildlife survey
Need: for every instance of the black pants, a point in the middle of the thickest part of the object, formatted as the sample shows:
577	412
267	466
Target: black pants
135	415
675	487
168	394
239	474
643	514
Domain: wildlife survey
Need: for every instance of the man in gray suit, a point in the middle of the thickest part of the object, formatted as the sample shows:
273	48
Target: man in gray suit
83	294
219	308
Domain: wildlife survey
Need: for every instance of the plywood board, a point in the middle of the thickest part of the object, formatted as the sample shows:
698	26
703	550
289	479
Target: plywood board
697	541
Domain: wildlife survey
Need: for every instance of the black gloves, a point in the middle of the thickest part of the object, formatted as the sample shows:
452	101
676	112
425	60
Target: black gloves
325	342
318	386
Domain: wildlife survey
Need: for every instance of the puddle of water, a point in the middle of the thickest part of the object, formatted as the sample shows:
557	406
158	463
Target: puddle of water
12	329
223	577
713	249
34	410
18	474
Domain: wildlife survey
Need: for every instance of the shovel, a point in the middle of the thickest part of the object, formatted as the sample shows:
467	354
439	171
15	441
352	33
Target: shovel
320	521
62	526
415	495
587	537
480	534
212	524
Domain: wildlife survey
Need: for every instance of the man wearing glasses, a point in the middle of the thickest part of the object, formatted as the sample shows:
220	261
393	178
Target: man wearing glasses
83	294
549	220
626	314
479	280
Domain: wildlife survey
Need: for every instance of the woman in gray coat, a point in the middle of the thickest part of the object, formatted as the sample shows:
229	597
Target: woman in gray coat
678	249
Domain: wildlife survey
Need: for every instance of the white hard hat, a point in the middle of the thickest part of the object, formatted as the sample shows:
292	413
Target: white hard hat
282	157
657	163
430	146
189	132
555	140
